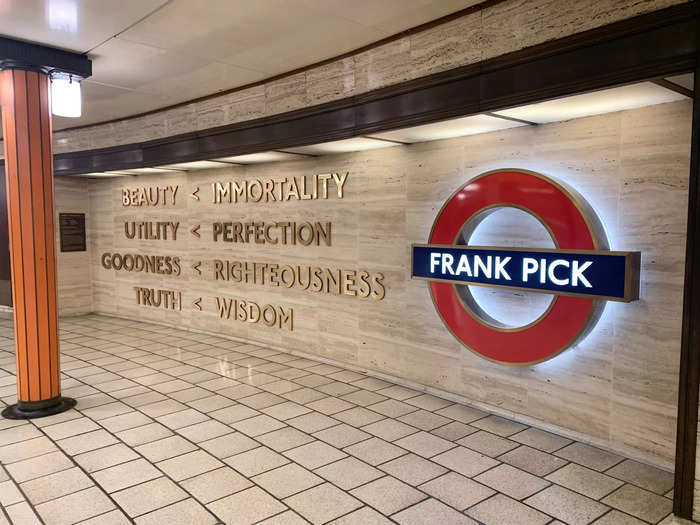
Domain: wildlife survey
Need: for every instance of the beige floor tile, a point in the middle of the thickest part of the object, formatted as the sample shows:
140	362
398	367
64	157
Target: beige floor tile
246	507
233	413
39	466
258	425
287	480
465	461
147	398
67	428
55	485
461	413
640	503
585	481
540	439
262	400
86	442
315	454
375	451
398	392
114	517
57	418
75	507
363	397
392	408
105	457
456	490
487	443
615	517
125	421
26	449
149	496
126	475
499	425
388	495
182	419
336	388
280	387
163	407
286	410
454	431
312	422
511	481
145	434
371	383
189	465
9	493
502	510
349	473
363	516
322	503
330	405
229	445
533	461
304	395
389	429
108	410
205	430
256	461
285	518
187	512
190	394
22	514
424	420
432	511
589	456
341	436
284	439
215	484
645	476
413	469
425	444
358	416
567	506
165	448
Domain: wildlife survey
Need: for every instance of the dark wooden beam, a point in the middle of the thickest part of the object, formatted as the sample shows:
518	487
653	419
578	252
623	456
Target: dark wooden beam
14	52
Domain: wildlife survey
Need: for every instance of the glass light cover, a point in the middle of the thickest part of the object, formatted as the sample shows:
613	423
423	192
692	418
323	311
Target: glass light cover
65	95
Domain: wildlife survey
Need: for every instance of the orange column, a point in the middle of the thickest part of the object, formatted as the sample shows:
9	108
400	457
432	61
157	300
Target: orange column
26	119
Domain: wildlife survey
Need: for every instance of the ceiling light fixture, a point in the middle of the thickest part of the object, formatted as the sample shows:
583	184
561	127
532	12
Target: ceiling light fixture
65	95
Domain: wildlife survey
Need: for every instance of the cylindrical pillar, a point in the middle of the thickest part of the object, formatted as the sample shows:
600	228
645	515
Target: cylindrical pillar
26	119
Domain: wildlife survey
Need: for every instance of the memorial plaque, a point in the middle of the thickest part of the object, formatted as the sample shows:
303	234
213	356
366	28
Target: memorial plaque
72	230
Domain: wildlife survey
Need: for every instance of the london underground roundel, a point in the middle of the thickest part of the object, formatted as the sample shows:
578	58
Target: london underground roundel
581	272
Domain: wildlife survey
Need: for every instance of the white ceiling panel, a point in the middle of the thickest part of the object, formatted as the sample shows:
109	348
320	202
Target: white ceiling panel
76	25
264	156
342	146
449	128
595	103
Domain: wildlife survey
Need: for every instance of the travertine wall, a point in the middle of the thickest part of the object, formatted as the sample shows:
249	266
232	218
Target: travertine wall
491	32
74	284
619	386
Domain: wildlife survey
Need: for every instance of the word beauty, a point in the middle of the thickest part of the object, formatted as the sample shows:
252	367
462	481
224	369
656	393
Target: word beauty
581	273
604	275
149	196
280	189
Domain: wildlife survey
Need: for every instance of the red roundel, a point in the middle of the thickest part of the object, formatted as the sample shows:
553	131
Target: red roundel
567	318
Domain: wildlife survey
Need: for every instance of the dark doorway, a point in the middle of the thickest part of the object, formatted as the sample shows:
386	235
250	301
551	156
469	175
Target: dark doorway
5	289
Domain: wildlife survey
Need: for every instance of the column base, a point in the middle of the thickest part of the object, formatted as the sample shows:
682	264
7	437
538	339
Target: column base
37	409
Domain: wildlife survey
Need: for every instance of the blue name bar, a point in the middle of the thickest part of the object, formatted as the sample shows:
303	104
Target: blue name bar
597	274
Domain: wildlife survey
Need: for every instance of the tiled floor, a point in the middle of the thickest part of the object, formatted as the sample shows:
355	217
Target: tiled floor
174	427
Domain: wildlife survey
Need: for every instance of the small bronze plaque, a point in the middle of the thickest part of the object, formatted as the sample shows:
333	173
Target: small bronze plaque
72	230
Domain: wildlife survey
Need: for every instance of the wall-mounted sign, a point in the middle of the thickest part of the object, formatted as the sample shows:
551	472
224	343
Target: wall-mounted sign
581	271
71	227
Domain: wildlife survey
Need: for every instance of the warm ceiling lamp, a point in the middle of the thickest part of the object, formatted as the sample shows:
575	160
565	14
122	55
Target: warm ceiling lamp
65	95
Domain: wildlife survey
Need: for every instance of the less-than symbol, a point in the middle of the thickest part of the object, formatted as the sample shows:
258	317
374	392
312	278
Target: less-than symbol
195	231
194	194
196	304
196	267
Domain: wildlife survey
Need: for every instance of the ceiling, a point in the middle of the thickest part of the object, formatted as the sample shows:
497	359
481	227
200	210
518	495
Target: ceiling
149	54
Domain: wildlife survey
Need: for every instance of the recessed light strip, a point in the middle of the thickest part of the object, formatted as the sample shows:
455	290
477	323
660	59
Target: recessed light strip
513	119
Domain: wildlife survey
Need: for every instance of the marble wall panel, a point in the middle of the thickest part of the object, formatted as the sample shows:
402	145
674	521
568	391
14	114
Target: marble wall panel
618	387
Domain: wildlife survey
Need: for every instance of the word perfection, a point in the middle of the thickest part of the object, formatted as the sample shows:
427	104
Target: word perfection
598	274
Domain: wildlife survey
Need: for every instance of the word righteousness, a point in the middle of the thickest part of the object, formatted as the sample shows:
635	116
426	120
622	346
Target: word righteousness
280	189
358	283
